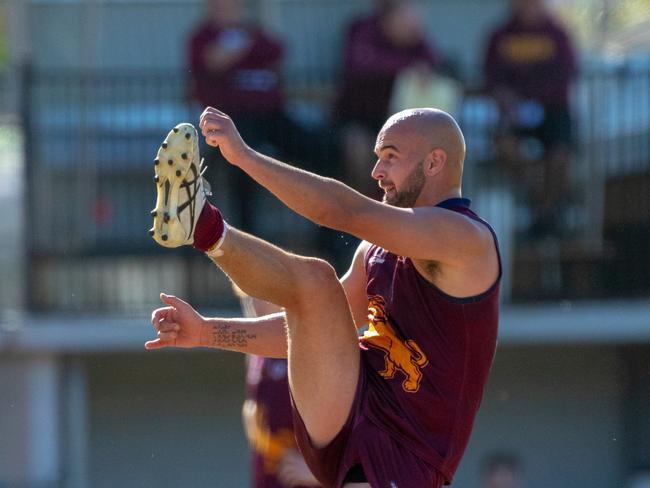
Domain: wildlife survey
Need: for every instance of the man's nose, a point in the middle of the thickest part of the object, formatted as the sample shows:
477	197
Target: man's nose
378	172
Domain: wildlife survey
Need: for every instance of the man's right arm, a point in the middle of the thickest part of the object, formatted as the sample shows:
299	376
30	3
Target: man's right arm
179	325
262	336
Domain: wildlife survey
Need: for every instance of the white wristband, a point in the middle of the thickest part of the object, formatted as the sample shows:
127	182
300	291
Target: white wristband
215	251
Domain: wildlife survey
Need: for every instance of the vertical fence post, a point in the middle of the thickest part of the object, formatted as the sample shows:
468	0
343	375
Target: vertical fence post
26	81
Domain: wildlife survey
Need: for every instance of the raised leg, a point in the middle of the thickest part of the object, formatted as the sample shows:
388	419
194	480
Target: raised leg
323	348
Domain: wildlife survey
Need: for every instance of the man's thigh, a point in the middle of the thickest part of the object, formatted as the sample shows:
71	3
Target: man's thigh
323	358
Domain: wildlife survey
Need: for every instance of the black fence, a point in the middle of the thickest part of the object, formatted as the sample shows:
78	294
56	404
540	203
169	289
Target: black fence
91	138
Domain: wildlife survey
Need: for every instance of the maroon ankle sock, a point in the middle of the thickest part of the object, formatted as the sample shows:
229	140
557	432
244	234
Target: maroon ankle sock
209	228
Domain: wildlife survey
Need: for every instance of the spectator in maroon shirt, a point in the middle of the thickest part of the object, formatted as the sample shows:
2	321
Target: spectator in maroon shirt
376	49
528	68
236	65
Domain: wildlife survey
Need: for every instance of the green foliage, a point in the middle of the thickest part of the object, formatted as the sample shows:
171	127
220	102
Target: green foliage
595	24
628	13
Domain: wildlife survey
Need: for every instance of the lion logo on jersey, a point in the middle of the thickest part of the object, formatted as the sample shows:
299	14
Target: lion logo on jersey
405	356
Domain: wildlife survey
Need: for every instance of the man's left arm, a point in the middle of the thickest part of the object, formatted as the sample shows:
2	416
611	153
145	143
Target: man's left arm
421	233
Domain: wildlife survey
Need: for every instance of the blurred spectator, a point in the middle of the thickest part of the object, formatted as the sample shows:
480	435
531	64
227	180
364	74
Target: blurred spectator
376	49
528	68
501	470
236	67
276	461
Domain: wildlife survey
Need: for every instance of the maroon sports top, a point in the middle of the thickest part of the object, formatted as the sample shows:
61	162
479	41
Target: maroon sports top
431	353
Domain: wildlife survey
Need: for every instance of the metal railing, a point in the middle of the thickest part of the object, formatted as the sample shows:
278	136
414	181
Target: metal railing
91	136
90	142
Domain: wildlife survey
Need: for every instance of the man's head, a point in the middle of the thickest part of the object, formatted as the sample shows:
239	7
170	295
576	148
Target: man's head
401	23
529	12
420	158
223	12
501	470
382	6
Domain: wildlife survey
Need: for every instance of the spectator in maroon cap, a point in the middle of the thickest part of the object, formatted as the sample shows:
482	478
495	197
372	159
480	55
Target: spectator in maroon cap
376	49
528	68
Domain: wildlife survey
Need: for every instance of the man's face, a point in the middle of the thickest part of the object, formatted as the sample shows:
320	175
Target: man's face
399	168
502	477
403	25
223	11
528	11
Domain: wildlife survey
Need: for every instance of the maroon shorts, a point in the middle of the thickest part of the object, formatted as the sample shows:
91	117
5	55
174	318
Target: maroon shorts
385	462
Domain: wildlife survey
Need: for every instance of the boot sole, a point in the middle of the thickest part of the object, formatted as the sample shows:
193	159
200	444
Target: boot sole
175	170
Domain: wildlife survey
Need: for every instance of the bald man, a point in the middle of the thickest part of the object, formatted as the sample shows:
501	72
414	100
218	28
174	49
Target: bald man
394	407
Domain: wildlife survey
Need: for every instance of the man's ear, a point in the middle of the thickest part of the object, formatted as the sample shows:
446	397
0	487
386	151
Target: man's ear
435	161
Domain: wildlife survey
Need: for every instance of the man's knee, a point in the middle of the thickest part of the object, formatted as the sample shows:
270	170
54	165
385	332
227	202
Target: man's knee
318	273
316	278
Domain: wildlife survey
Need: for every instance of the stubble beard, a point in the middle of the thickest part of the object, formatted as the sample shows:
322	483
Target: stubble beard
413	185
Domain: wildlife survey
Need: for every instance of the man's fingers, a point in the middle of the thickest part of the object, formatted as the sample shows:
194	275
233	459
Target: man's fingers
163	320
173	301
155	344
211	111
212	121
167	326
215	127
168	337
209	123
161	314
212	133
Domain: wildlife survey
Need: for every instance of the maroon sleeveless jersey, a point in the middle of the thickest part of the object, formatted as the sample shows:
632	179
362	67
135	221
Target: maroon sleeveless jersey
430	353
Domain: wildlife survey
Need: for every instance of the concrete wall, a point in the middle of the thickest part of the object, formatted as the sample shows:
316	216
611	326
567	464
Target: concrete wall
29	421
166	420
559	409
173	419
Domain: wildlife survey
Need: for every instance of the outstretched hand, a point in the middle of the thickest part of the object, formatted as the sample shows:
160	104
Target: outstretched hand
178	325
219	131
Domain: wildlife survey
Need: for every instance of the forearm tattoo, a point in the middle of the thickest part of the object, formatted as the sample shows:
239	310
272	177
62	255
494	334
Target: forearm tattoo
226	337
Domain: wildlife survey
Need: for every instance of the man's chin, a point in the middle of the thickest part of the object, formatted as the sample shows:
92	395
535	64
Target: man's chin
388	200
393	202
